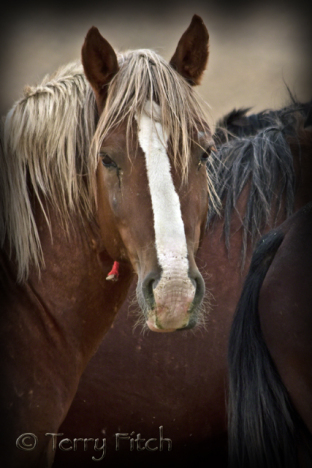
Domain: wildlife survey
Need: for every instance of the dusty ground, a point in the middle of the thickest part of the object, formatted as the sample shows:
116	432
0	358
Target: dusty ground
255	48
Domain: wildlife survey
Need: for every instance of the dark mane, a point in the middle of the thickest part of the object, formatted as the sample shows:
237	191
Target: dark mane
256	150
237	124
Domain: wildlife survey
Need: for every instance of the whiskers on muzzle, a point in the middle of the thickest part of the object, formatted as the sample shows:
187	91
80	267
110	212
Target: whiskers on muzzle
145	309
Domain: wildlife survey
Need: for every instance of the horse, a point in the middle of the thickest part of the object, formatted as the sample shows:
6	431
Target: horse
270	352
149	97
78	159
238	123
138	383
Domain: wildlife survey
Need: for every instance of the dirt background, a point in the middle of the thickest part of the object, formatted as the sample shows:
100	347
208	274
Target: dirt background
256	48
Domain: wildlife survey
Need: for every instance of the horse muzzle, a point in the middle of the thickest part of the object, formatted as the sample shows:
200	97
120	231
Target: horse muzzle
172	302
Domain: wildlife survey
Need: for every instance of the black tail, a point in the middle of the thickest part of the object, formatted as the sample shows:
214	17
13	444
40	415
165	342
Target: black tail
263	425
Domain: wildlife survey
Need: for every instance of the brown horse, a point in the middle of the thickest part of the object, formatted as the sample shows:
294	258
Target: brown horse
270	353
67	213
161	170
137	383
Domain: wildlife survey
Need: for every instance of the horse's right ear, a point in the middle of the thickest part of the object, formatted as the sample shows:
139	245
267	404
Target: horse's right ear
191	55
99	62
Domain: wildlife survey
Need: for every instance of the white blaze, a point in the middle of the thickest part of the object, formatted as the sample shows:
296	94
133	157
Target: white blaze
175	286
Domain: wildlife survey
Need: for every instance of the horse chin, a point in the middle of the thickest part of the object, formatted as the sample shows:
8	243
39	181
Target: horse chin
155	328
162	320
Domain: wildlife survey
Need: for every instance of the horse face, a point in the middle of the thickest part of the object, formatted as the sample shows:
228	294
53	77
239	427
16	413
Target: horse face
147	215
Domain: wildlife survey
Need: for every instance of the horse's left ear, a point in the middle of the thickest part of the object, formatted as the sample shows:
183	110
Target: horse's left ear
191	55
99	61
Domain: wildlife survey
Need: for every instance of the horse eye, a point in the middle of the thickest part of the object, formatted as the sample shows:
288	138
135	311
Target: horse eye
205	155
107	160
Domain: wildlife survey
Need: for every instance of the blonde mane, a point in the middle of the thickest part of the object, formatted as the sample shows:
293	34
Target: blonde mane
51	144
145	76
45	152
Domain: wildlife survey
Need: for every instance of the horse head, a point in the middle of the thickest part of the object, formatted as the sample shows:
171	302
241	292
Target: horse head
152	184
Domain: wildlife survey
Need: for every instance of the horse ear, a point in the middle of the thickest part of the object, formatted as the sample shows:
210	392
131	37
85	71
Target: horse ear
191	55
99	62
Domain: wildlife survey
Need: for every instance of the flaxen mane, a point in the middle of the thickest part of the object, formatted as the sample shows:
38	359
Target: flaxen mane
49	132
145	76
45	152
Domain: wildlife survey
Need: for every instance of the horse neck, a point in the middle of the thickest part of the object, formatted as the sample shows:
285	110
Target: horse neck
74	303
50	327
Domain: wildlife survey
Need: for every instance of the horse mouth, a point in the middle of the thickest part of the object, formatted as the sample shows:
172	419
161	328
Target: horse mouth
183	315
158	329
162	320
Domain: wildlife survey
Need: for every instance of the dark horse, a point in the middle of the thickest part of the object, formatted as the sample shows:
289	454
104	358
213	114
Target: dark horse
67	213
137	383
270	353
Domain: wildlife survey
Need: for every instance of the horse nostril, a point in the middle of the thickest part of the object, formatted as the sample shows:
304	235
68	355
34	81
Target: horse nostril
150	282
199	285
